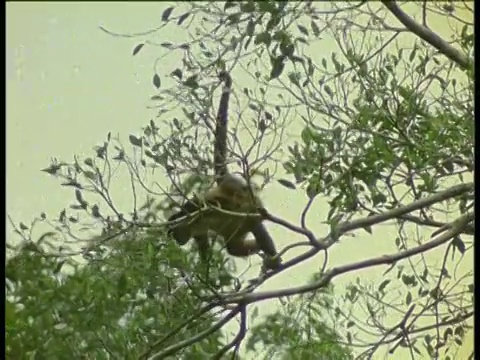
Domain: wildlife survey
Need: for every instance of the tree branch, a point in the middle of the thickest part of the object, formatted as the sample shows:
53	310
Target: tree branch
457	228
428	35
401	211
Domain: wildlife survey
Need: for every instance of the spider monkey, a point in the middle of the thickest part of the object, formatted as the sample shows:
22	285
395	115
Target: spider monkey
232	193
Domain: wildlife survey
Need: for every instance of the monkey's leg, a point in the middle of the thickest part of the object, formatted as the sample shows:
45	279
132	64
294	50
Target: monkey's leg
234	232
203	245
265	243
240	246
263	239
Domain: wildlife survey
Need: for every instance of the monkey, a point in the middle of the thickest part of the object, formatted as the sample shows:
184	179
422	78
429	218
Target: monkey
231	196
215	212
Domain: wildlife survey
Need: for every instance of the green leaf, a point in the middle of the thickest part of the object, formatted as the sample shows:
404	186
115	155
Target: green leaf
80	200
458	243
166	13
311	69
368	229
303	29
229	4
408	298
287	48
250	27
328	90
137	49
294	78
177	73
73	183
413	53
264	38
122	285
52	169
247	7
191	82
90	175
156	81
315	29
268	7
135	141
287	184
232	19
338	66
182	18
96	211
383	285
278	65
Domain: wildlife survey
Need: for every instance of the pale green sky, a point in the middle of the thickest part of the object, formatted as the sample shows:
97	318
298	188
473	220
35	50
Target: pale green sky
69	84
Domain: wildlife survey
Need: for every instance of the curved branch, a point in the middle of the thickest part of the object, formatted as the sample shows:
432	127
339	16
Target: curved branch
456	229
428	35
170	350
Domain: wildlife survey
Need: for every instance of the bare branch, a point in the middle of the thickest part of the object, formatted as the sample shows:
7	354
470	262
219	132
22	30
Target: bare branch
428	35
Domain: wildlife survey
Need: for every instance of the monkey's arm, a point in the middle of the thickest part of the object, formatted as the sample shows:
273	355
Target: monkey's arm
182	231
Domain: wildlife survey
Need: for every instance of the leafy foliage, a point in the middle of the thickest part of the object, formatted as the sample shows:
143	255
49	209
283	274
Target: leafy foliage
386	137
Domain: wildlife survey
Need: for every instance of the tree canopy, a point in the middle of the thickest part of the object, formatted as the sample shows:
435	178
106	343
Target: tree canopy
365	107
